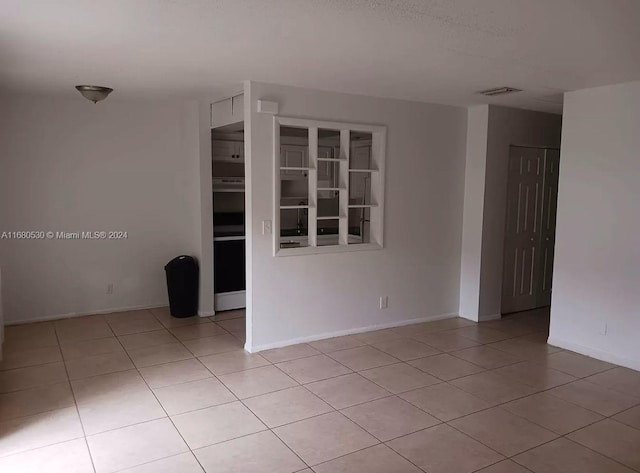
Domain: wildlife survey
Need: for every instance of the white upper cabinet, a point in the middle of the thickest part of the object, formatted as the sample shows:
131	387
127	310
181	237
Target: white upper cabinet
228	151
227	111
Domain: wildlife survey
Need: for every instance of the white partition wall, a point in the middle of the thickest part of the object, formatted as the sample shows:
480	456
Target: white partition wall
596	289
314	296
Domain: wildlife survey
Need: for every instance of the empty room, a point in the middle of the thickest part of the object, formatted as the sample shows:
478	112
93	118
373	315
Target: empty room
319	236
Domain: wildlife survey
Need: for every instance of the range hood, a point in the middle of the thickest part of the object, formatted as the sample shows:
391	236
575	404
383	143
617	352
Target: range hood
228	184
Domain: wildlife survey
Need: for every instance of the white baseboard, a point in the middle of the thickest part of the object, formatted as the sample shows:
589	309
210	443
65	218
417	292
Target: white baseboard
340	333
76	314
206	313
594	353
230	300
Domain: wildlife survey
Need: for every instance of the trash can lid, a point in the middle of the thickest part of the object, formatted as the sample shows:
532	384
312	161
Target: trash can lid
179	260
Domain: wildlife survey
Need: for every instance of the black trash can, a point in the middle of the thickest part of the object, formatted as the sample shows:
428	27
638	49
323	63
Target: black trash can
182	284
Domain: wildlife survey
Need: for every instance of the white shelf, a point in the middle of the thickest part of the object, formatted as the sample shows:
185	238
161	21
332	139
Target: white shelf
289	168
294	177
311	250
363	170
286	207
332	160
218	191
331	218
229	238
330	188
362	206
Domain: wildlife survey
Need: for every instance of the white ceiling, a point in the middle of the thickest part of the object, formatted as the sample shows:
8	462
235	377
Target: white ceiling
427	50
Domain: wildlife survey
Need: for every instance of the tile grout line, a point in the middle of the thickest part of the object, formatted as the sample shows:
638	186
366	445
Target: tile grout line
486	370
544	391
68	381
498	406
269	429
305	386
332	407
558	436
595	451
379	442
8	370
152	461
163	409
488	408
365	448
75	401
512	458
359	372
95	376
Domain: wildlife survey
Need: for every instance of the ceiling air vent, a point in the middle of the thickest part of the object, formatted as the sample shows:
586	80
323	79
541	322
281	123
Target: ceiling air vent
499	91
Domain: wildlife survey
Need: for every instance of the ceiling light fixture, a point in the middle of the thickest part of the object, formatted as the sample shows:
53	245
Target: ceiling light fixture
95	93
499	91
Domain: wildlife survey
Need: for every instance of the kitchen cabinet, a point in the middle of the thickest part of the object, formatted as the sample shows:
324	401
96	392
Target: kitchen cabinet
227	111
228	151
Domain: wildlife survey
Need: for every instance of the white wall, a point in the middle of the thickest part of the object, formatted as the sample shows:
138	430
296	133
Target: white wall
70	165
596	286
481	284
474	182
204	221
304	297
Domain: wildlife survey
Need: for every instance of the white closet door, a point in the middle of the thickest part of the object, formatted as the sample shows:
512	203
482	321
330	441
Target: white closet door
548	226
523	229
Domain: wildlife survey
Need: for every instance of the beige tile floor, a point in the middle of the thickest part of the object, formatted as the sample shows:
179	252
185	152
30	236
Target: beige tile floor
143	392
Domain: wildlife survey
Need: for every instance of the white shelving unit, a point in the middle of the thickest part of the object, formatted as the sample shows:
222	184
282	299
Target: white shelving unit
340	186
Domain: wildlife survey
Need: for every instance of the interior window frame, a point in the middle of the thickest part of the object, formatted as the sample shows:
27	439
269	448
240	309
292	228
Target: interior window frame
374	208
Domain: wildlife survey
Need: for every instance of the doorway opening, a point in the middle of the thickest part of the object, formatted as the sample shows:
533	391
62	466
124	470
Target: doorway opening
228	186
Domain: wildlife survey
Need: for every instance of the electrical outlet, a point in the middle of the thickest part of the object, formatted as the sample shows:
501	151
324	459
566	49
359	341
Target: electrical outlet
384	302
266	227
110	288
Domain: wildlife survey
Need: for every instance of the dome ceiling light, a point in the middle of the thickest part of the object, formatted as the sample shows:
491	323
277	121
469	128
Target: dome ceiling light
95	93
